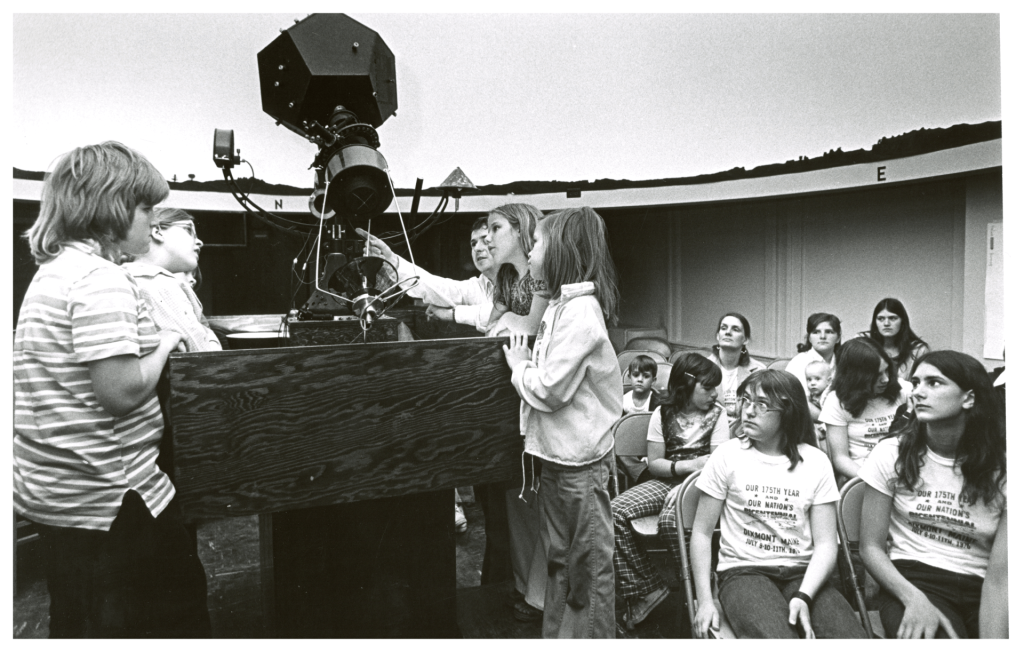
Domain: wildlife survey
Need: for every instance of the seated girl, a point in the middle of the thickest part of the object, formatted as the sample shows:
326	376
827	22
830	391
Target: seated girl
938	489
865	396
681	435
776	496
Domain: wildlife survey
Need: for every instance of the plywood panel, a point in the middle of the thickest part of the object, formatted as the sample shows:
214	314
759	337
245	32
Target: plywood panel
277	429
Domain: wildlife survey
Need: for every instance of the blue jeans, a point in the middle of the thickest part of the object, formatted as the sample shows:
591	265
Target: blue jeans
957	596
576	517
756	603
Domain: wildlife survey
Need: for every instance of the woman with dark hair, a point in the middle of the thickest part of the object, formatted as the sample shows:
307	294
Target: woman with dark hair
890	327
866	393
822	343
776	496
938	490
731	355
682	433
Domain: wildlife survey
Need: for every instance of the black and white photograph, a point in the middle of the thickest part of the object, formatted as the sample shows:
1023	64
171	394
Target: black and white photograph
539	321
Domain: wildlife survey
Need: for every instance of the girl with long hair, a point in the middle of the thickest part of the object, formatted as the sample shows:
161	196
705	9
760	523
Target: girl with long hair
571	390
866	394
519	297
682	433
890	327
937	489
776	496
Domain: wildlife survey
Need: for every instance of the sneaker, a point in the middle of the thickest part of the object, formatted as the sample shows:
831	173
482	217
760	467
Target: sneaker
460	519
637	611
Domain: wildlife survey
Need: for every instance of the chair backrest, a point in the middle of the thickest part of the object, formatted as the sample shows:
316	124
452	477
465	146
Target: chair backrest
627	357
851	501
630	434
682	352
779	363
686	504
664	371
851	498
650	344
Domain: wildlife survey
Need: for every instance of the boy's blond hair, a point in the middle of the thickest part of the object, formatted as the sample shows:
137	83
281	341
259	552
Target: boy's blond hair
92	194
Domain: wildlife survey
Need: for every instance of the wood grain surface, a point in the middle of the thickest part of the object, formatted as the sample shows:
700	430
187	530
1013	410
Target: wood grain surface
278	429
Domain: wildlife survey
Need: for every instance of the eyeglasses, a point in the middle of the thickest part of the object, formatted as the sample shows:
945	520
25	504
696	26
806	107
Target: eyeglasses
760	407
189	227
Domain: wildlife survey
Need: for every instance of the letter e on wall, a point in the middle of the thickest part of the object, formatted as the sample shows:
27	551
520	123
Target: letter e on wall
881	173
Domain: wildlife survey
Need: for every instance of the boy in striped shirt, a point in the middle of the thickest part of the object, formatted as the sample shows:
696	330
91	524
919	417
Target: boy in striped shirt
87	422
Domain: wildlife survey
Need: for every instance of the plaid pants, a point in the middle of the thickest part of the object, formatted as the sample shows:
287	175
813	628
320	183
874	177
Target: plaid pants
635	576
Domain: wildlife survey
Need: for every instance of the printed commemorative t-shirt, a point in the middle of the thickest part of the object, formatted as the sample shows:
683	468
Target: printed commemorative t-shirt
929	524
865	431
765	518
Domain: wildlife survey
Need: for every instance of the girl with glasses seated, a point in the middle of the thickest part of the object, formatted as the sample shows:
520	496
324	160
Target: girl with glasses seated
681	436
776	496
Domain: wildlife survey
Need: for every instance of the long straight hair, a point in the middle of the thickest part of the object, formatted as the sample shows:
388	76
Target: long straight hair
981	451
92	194
523	218
906	340
576	250
856	372
784	391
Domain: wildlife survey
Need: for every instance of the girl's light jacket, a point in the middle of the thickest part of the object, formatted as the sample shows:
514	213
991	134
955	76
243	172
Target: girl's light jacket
572	388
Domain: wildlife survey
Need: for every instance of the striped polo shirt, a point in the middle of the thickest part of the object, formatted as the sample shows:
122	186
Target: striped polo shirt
74	461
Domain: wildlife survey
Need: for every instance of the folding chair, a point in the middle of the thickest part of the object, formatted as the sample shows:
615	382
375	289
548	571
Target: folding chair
655	344
851	499
630	435
686	512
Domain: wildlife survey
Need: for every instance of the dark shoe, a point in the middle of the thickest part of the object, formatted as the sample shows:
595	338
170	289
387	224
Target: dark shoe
524	613
513	597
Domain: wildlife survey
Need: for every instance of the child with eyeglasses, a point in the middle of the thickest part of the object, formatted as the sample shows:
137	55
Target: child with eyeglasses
162	274
776	496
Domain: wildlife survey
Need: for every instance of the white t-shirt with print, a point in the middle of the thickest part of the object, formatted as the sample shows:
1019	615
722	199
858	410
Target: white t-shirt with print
629	407
766	515
929	524
865	431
